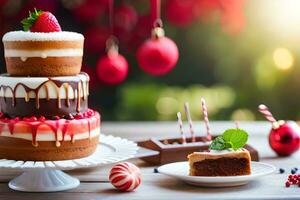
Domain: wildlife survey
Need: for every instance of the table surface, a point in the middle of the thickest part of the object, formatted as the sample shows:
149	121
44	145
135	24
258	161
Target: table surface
95	185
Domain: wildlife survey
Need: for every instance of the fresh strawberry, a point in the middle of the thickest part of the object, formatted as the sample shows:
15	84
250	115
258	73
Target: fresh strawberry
40	21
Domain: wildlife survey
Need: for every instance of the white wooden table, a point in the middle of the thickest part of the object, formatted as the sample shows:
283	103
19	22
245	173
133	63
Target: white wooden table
95	185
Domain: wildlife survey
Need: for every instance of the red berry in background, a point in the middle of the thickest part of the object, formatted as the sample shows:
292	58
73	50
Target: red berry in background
92	74
157	56
285	139
90	10
180	13
112	68
204	9
41	21
232	16
125	17
95	39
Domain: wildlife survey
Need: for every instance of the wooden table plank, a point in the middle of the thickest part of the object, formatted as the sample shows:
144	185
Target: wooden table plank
95	185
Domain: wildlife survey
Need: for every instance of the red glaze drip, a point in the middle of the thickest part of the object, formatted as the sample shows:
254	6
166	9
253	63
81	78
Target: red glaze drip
1	128
34	128
34	125
64	129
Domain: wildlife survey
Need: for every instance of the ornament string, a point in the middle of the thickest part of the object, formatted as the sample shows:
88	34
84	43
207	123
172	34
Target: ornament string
155	13
267	114
112	41
206	121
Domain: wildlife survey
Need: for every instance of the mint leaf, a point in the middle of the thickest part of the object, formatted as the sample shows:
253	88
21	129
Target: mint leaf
218	144
238	138
231	138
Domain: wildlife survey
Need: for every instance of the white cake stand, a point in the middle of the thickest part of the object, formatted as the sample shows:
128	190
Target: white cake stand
48	177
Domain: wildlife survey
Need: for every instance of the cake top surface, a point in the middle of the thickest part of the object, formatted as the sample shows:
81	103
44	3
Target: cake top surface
40	36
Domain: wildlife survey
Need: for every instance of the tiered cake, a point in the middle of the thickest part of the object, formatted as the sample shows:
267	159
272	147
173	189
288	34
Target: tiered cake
44	112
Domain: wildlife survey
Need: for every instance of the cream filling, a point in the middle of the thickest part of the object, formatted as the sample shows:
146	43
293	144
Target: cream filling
39	36
24	54
51	136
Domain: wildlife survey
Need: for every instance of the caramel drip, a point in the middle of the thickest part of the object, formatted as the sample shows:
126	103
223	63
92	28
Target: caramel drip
47	92
37	100
58	97
26	97
67	95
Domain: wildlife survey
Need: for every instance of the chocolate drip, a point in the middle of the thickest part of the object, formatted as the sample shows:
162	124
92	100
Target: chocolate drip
77	85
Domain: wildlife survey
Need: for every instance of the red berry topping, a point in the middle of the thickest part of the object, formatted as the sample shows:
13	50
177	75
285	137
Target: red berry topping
287	184
33	119
79	116
41	21
26	119
42	119
1	115
17	119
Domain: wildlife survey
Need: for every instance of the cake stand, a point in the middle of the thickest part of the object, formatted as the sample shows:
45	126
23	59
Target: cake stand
48	176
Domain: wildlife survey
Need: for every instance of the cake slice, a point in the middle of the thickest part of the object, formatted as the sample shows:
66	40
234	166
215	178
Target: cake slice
220	163
226	156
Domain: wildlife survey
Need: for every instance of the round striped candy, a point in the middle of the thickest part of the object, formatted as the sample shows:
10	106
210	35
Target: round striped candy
125	176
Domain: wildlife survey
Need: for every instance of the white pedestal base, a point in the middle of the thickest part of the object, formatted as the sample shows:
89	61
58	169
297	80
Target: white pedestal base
43	180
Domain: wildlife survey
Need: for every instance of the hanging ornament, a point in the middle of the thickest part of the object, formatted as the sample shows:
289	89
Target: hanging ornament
284	137
112	68
159	54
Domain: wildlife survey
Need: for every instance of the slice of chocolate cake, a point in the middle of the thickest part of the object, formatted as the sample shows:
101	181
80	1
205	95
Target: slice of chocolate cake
220	163
226	156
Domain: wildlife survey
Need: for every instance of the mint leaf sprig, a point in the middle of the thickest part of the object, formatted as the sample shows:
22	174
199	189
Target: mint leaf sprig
231	138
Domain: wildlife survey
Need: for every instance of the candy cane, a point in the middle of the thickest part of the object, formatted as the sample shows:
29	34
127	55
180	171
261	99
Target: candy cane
181	127
189	118
265	111
206	121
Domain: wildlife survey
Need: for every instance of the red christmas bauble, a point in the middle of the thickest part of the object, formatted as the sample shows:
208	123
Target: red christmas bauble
158	56
112	68
284	138
125	176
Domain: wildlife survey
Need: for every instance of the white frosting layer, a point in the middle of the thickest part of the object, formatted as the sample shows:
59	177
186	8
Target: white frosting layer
226	151
50	136
43	53
38	36
34	82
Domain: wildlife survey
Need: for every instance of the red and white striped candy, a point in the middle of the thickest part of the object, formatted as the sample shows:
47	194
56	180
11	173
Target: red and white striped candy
125	176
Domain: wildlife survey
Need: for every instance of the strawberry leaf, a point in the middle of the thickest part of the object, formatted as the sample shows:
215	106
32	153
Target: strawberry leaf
30	20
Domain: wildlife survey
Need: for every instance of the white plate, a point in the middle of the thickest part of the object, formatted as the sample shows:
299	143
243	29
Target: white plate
110	150
180	170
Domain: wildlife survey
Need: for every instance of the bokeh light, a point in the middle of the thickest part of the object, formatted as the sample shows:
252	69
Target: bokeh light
283	58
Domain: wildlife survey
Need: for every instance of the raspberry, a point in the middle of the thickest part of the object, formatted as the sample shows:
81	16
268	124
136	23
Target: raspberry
287	184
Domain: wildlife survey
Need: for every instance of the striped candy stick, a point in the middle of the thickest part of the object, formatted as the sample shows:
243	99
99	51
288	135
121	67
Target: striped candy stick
181	128
265	111
206	121
189	118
